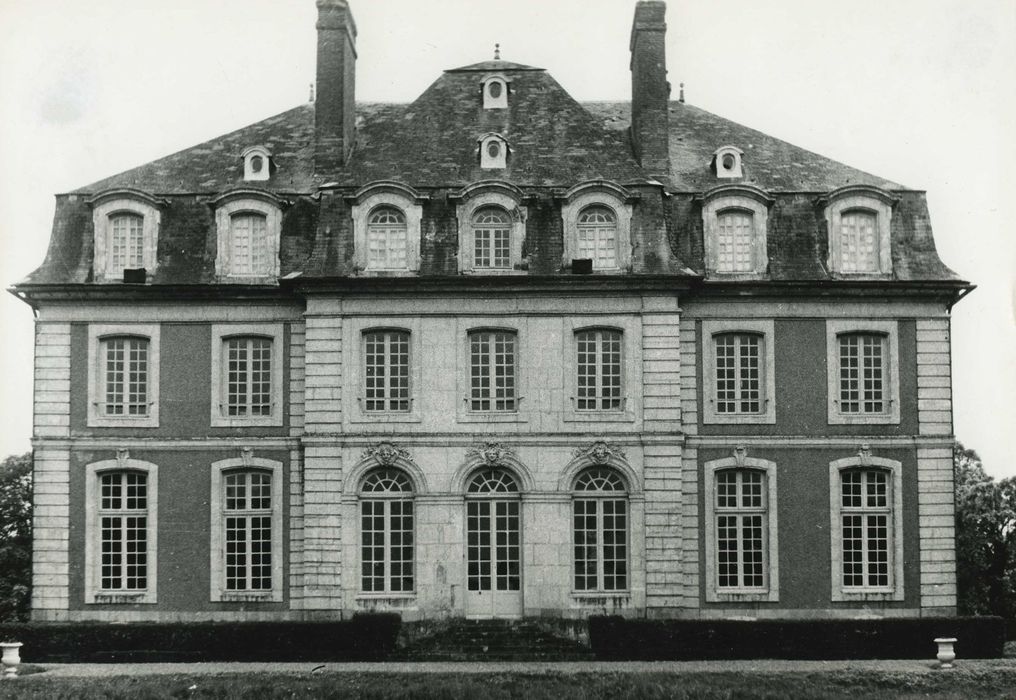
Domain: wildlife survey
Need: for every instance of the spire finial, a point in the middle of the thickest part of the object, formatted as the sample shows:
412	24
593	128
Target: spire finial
311	92
497	52
680	95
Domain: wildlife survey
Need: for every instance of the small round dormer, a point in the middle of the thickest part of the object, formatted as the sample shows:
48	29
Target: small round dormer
495	92
493	151
257	163
727	162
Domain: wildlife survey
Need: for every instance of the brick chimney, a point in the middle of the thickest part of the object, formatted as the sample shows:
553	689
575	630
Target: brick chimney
650	91
335	101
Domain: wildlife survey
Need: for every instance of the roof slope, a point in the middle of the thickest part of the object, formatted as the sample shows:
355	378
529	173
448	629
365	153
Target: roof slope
769	163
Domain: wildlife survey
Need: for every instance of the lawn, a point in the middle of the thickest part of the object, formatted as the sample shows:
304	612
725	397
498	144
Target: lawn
986	680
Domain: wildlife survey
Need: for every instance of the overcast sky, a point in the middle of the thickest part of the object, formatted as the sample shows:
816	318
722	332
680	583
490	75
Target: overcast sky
918	91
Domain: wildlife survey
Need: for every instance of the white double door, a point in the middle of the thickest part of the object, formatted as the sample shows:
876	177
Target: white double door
493	558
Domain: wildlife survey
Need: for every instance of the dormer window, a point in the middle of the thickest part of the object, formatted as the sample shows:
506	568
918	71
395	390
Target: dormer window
858	219
256	163
248	226
493	151
727	162
492	225
126	226
597	226
495	92
386	228
735	223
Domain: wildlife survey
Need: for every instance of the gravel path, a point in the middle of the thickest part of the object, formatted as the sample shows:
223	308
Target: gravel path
758	666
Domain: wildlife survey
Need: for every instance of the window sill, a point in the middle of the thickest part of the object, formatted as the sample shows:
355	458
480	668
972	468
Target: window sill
492	418
711	418
599	417
259	422
870	595
378	272
100	422
743	596
863	419
249	597
121	598
386	596
411	417
494	271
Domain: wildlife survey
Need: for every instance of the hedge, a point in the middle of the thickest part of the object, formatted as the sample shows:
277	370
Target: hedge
619	639
367	637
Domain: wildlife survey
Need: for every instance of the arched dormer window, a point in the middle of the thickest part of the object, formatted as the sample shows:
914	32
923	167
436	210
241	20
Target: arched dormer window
248	227
495	92
126	224
493	151
858	219
387	218
597	226
735	219
492	226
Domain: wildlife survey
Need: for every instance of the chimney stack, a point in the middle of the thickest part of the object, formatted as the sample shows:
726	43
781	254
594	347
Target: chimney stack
650	91
335	99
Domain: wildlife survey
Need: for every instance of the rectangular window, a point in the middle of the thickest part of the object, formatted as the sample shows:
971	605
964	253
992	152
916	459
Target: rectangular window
739	363
248	376
599	244
740	529
248	253
601	544
386	546
127	243
734	242
492	371
599	367
858	242
248	531
386	371
492	247
862	373
125	380
866	534
123	525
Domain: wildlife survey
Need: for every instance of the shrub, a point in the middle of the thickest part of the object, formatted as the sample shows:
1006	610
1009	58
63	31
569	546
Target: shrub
616	638
361	638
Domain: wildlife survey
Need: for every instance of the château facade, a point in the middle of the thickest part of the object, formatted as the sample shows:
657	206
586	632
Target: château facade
492	353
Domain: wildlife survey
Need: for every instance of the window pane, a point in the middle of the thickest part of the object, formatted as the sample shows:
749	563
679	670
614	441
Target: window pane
858	242
126	376
248	376
387	240
597	236
491	239
386	371
126	243
866	537
249	252
862	373
492	371
123	531
247	523
735	238
741	523
598	363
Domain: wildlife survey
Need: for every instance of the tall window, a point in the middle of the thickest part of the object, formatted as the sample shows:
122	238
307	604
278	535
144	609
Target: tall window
491	239
123	531
597	236
492	357
741	526
125	377
739	363
600	531
126	243
386	239
866	535
859	237
247	519
735	241
493	532
862	368
247	376
386	532
598	364
248	239
386	371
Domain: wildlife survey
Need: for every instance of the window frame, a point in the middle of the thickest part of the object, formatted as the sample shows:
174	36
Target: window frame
743	198
387	498
608	195
771	591
94	593
869	199
354	368
895	590
221	332
386	194
97	334
217	513
107	205
466	327
388	332
766	329
599	497
890	369
238	203
490	195
631	362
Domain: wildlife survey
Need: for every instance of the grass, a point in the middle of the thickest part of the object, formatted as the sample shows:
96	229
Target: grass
987	680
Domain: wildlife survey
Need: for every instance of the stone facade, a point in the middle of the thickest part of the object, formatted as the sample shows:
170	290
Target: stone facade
605	378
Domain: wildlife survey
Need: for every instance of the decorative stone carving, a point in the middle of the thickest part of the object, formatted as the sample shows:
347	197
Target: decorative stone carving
386	453
246	455
600	452
864	453
741	455
122	457
491	453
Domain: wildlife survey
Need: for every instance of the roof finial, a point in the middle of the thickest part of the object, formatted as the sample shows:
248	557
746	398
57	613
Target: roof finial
497	52
680	95
311	92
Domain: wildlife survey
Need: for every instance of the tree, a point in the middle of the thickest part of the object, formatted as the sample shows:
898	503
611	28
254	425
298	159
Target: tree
15	537
985	538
